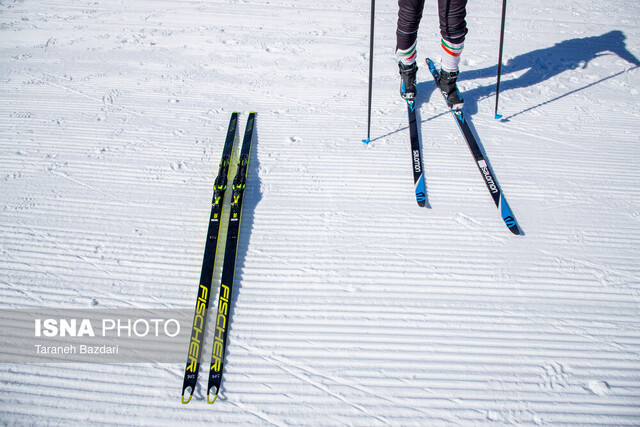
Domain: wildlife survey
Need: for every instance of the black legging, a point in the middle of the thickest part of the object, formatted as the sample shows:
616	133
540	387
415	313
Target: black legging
453	27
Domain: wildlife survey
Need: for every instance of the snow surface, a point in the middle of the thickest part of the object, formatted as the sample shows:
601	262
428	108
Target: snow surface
352	304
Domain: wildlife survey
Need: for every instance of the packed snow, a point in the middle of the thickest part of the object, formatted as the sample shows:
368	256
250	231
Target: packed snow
352	305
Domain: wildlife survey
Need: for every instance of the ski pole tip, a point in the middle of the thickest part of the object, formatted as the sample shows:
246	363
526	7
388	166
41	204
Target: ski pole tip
366	140
498	116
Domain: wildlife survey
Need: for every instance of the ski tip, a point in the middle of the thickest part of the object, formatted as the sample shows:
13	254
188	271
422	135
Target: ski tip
367	140
498	116
188	393
215	395
508	217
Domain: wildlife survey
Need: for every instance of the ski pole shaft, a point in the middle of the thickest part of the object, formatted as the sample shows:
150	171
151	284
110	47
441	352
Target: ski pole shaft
373	8
504	12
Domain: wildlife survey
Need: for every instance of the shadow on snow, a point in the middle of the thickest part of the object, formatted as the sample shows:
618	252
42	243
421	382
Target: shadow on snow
541	65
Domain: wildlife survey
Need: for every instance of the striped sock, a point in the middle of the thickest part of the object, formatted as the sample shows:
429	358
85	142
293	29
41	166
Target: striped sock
407	56
451	55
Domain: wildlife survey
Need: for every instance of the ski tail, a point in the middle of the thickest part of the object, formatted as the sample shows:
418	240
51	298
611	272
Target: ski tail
507	216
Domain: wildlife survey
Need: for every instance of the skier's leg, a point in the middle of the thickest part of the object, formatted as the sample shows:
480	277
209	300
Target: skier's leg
453	29
409	16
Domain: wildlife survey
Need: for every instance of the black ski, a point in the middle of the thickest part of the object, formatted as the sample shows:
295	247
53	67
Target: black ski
507	216
416	155
206	274
228	267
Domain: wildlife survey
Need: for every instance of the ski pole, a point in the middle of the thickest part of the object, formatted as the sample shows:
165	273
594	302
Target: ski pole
373	8
504	11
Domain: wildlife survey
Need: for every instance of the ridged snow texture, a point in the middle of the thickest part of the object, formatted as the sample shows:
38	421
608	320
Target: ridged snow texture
352	305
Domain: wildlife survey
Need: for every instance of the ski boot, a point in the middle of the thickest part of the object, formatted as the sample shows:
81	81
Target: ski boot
447	84
408	84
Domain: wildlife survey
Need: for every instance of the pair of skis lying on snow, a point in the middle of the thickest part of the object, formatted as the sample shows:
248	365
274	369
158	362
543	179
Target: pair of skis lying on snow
228	266
485	170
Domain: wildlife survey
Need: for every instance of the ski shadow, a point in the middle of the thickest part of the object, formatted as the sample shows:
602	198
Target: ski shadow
541	65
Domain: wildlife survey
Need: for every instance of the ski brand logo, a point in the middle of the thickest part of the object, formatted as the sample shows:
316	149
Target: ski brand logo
487	176
416	161
198	327
221	327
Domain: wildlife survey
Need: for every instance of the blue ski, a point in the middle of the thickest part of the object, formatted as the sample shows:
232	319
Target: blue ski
507	216
416	155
